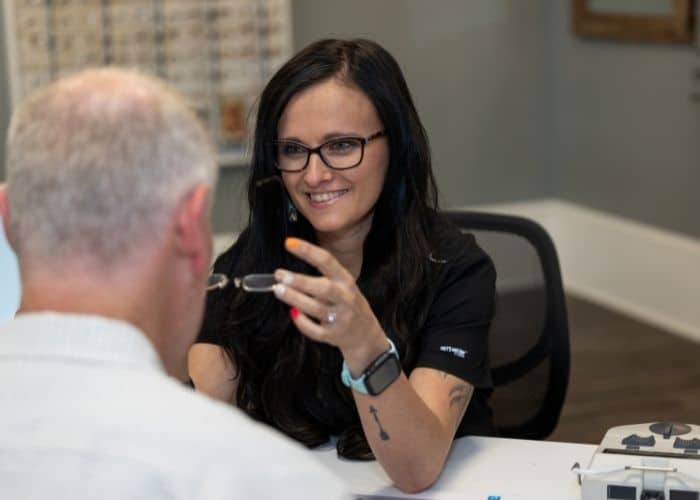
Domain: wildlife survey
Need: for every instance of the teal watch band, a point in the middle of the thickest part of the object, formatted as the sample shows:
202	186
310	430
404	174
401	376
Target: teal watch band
363	384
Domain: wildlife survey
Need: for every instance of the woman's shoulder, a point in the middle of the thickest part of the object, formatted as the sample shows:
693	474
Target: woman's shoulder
454	248
466	276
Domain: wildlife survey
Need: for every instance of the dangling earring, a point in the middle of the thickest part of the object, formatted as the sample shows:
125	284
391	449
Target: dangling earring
291	211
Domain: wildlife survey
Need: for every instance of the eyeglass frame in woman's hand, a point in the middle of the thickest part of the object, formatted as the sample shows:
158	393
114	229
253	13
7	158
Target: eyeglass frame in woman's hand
252	283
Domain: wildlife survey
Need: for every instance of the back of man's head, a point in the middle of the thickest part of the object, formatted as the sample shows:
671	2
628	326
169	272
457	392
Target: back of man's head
108	191
96	162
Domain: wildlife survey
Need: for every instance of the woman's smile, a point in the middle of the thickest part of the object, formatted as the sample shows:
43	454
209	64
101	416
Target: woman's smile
325	198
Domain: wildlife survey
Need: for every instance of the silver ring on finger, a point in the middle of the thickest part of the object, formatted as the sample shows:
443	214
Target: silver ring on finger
331	316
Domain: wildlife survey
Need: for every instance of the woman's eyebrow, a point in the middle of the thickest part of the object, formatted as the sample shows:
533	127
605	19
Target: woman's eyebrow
334	135
291	139
326	137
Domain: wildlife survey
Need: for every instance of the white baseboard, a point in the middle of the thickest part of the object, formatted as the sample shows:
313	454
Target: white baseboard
640	270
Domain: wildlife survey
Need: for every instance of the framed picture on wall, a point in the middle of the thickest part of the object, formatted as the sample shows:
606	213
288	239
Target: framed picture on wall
654	21
219	53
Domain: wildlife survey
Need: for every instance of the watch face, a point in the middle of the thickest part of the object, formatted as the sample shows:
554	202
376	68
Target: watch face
383	375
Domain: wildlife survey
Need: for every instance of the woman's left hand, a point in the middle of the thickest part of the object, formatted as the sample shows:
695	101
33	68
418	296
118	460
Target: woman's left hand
342	315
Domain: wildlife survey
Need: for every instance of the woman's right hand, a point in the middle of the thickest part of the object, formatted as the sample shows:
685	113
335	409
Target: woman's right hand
331	308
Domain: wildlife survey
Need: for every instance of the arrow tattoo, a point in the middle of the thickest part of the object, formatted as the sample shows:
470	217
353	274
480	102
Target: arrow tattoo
382	433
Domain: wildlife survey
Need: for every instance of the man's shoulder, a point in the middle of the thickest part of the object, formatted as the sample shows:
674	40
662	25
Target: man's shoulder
221	439
192	415
197	422
182	439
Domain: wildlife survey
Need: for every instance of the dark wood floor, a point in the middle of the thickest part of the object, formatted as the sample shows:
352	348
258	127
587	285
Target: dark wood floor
625	372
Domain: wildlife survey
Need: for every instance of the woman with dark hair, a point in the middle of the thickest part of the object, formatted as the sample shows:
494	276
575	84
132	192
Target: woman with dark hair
376	330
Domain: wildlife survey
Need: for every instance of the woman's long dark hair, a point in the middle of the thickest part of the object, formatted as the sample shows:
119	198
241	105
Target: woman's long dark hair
285	379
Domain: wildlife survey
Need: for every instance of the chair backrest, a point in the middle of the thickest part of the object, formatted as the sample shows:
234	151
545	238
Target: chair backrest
529	336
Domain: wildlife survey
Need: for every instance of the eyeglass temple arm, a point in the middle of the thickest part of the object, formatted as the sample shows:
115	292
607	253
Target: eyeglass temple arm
267	180
375	135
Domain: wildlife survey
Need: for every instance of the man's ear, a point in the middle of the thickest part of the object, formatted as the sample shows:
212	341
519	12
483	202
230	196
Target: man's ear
193	236
5	211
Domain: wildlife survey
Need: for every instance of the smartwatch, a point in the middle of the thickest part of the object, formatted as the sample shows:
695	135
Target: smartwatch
377	376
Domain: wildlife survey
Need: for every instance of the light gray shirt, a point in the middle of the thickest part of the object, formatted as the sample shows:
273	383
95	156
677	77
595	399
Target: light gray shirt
87	411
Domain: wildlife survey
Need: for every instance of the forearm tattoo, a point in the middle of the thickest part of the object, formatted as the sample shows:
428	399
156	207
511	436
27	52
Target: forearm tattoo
382	433
459	394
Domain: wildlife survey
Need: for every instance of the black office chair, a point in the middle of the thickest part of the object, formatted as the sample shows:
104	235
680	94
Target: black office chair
529	337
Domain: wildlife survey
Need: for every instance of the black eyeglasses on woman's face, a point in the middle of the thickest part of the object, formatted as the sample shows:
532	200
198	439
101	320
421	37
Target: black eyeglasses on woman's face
340	153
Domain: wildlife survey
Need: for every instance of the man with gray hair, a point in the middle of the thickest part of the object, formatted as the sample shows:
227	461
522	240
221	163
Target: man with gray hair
107	205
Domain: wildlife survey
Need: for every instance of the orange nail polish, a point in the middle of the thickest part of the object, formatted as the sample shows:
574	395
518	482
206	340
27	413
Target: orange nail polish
294	312
291	243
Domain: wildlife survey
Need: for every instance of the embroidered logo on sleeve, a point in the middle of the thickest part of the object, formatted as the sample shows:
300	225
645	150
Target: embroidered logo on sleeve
460	353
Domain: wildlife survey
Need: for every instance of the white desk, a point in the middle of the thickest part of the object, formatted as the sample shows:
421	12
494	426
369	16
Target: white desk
479	467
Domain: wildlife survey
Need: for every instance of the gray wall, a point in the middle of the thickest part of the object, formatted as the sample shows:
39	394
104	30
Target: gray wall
625	136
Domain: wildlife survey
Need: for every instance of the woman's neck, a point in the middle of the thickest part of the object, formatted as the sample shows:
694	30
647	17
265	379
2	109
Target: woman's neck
347	246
